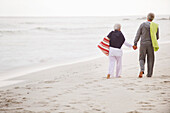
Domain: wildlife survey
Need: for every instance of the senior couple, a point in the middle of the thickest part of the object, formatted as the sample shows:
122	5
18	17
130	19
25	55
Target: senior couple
149	34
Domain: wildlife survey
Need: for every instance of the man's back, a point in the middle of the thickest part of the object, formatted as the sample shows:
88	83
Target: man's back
144	33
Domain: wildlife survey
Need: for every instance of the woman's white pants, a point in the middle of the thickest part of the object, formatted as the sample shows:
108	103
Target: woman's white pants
112	61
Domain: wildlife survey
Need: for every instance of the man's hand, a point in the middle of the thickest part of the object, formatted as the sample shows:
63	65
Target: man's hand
134	47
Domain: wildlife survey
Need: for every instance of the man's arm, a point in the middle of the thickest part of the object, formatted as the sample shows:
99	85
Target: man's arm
157	34
139	32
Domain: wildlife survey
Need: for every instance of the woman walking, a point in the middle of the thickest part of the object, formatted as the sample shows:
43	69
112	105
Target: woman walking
117	39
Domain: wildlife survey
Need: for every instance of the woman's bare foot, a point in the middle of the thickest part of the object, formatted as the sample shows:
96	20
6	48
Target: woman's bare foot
108	76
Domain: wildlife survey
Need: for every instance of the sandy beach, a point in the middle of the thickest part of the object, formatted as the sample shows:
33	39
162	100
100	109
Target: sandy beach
83	88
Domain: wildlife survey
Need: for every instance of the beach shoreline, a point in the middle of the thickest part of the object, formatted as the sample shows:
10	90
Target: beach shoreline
5	77
11	76
15	73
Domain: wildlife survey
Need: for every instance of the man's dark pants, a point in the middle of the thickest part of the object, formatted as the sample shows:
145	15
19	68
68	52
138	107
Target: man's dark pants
146	50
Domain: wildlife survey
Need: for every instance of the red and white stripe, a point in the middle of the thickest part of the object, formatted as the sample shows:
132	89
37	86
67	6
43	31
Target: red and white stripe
104	46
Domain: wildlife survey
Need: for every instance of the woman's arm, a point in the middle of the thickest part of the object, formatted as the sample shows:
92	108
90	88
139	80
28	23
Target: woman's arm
127	44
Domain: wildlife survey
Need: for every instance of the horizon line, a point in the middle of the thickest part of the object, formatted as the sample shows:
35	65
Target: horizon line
86	15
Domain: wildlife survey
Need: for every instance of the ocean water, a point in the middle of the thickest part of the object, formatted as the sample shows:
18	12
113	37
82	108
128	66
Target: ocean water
43	41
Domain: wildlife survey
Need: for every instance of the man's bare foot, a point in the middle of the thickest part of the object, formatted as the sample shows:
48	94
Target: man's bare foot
108	76
118	76
141	74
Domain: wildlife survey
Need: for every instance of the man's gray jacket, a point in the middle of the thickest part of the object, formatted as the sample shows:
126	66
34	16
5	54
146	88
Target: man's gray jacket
144	33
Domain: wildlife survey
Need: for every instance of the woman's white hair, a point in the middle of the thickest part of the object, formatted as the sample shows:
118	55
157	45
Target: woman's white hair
117	26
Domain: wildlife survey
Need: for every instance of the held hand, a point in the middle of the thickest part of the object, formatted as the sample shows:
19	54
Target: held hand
134	47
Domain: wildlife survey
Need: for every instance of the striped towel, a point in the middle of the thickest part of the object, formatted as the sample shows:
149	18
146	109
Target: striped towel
104	46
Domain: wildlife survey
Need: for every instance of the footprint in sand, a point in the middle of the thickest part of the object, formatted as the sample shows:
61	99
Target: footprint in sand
42	103
75	102
67	106
27	88
146	106
19	108
95	80
163	103
24	98
88	82
49	82
99	86
54	109
147	109
16	87
96	109
130	88
163	93
53	100
134	112
166	100
168	82
143	103
47	87
165	76
12	101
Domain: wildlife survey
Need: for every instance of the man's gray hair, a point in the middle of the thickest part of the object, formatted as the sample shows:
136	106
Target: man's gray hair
150	16
117	26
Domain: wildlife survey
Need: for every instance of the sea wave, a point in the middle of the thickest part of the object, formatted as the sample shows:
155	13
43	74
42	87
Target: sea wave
48	29
67	28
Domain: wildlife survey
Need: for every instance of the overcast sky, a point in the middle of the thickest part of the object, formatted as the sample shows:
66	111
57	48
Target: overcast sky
83	7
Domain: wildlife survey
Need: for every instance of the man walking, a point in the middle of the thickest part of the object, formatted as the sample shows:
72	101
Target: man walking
149	34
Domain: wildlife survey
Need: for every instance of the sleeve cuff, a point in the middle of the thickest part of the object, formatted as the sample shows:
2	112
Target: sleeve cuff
135	44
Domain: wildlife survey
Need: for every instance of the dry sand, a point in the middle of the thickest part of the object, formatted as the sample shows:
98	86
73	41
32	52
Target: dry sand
83	88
